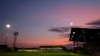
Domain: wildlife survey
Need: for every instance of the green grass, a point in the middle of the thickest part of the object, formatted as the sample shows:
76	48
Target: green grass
39	54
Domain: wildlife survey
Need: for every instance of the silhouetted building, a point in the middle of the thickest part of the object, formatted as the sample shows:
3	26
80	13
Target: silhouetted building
3	48
91	38
85	35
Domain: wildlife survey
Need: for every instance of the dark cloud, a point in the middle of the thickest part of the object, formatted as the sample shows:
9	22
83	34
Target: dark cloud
65	29
56	30
95	23
65	35
95	27
62	29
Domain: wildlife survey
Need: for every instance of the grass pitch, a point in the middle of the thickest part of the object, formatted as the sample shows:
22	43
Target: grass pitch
39	54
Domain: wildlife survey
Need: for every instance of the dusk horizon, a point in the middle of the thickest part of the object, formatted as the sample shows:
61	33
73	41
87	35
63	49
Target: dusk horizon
43	22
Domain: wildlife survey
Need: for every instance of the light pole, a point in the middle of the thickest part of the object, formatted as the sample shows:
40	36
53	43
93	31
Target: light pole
7	26
15	38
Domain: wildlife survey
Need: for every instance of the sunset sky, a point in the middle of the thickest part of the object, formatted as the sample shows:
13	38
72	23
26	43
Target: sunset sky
34	18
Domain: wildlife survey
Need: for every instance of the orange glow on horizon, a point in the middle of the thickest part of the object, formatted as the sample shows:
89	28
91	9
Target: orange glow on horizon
44	41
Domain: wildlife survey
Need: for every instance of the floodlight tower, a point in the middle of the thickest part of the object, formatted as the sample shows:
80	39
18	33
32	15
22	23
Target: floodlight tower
7	26
15	38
